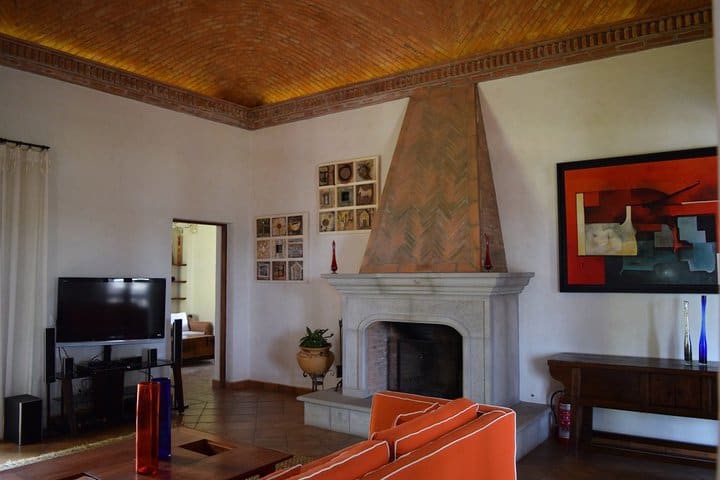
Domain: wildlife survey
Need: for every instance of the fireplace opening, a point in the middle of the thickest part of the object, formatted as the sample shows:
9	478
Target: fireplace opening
424	359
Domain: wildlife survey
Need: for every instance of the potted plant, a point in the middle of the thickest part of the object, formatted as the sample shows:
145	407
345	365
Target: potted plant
315	357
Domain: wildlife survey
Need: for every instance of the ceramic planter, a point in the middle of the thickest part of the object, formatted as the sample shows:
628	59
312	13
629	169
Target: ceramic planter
315	361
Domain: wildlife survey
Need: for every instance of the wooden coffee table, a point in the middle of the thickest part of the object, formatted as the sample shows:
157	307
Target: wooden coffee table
195	455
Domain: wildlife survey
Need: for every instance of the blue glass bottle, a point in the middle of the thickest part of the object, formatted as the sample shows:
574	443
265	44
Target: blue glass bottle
165	419
703	335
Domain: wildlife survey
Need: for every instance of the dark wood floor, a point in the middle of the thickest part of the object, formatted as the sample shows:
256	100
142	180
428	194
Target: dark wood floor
554	461
275	420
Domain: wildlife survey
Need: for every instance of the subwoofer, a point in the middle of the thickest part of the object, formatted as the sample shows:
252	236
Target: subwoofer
49	355
23	419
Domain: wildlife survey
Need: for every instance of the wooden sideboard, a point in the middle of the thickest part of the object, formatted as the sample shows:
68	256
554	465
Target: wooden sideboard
201	347
652	385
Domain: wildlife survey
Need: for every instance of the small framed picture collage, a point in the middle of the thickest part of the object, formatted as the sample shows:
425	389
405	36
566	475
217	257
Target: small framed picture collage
348	194
281	247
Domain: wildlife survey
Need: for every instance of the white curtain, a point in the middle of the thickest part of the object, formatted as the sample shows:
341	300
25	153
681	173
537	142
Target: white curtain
23	269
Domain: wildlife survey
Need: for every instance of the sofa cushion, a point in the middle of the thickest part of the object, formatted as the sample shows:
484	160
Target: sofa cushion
352	462
386	406
412	434
283	474
483	448
192	333
406	417
181	316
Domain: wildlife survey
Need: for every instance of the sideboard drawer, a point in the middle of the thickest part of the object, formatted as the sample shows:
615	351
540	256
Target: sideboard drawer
675	391
610	388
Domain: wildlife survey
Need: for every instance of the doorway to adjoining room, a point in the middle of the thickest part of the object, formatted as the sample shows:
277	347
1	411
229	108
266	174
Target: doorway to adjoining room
197	292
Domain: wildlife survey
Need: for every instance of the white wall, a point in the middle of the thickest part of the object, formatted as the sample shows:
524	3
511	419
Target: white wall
284	181
200	255
203	258
122	170
651	101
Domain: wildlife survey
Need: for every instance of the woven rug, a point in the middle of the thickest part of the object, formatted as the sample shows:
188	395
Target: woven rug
59	453
288	463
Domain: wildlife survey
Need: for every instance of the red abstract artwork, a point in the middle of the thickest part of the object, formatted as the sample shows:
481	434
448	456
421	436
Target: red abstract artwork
644	223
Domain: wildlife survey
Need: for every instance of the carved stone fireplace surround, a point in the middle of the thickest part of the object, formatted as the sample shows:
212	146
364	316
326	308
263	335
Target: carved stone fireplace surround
482	307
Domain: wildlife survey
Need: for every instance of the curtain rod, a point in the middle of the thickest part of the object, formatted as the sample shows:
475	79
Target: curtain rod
7	140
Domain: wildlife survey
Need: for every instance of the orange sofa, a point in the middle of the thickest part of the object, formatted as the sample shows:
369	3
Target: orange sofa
414	437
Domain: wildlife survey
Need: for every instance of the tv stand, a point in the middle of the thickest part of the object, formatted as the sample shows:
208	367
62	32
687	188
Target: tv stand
107	377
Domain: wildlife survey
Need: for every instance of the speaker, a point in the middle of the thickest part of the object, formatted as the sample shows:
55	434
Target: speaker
177	342
49	355
23	419
150	357
68	367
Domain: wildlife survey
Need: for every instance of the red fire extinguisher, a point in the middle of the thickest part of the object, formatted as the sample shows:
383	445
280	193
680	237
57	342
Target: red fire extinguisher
563	415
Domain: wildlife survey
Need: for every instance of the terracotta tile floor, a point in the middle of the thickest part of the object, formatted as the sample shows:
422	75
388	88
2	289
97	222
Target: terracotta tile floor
267	419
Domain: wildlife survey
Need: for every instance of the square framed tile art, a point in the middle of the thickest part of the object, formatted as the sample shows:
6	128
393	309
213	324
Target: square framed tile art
281	247
348	192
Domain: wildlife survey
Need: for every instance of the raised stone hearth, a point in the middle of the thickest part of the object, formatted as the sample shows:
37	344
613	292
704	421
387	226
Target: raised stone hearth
333	411
482	307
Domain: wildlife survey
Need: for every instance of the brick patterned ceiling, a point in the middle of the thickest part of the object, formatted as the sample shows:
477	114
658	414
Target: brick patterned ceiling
262	53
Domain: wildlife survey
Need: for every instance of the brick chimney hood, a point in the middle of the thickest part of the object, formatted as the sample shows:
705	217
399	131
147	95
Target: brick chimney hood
439	202
424	259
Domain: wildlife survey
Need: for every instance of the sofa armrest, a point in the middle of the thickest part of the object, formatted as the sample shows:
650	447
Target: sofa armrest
483	449
387	405
199	326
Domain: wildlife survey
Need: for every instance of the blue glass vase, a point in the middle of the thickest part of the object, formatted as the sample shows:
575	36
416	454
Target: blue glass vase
703	335
165	419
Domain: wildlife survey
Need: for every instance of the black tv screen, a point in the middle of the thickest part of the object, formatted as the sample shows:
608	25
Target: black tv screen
107	310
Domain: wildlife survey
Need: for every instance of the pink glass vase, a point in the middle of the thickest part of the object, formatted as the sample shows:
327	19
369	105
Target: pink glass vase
147	418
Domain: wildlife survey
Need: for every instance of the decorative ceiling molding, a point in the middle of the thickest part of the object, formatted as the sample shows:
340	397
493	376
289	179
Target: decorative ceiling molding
592	44
618	39
62	66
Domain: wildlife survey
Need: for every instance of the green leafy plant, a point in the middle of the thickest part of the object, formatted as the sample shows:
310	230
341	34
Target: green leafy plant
315	338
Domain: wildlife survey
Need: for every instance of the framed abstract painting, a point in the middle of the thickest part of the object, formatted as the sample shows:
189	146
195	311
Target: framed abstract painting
642	223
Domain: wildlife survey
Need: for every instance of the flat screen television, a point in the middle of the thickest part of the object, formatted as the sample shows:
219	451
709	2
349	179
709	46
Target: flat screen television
110	310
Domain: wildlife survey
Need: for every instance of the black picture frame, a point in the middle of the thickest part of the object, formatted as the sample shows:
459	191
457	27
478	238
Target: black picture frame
661	244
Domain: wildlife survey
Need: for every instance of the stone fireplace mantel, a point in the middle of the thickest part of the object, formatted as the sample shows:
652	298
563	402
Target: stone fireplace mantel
452	284
482	307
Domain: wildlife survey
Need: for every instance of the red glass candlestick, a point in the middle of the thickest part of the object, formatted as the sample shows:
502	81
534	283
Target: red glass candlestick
333	264
147	428
488	263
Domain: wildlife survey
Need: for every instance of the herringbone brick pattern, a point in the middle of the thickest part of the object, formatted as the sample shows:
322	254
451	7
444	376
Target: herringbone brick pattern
439	198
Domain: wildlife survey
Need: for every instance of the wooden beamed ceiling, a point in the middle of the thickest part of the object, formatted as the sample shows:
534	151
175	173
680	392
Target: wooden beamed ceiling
256	63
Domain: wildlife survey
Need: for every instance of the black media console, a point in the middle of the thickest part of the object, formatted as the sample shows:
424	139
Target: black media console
108	387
